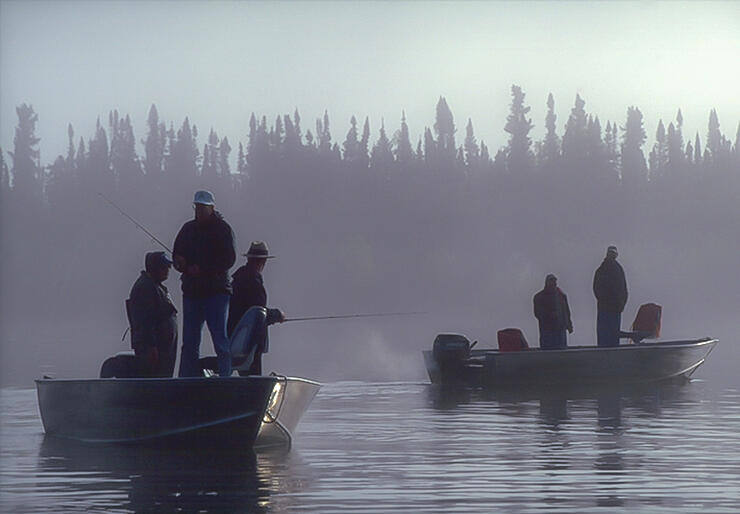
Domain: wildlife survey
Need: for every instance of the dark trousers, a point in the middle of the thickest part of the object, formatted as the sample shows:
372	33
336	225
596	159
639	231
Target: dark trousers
553	339
607	328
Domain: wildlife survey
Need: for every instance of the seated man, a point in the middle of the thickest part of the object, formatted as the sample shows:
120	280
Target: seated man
552	311
153	319
249	291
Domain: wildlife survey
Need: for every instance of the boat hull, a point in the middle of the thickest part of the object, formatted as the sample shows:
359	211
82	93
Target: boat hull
203	411
587	364
289	401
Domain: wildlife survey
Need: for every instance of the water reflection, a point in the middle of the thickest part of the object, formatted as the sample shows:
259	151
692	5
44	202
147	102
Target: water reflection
555	419
149	479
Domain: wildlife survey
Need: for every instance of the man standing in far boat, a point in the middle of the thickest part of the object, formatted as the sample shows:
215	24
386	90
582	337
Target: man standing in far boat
553	314
203	252
610	288
249	291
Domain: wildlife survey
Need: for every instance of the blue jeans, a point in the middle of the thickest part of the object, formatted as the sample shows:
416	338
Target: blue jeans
211	310
607	328
553	339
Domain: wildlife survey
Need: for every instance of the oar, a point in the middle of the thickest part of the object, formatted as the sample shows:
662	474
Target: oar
346	316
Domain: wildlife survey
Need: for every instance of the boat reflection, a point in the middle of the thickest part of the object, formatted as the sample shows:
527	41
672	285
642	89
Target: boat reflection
568	428
172	480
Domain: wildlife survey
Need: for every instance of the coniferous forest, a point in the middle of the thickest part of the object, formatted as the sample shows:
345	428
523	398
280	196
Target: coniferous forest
376	219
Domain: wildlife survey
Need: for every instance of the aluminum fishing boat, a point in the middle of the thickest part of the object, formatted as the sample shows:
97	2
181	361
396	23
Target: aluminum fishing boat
454	362
233	411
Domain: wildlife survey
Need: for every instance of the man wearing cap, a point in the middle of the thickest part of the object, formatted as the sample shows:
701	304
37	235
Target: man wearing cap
203	252
610	288
553	314
249	291
153	319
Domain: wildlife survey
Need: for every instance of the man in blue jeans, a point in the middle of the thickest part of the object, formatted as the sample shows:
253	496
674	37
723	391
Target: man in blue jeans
203	252
610	289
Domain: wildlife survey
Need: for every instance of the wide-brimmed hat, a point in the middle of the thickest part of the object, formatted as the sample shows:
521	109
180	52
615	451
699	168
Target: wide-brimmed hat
204	198
258	250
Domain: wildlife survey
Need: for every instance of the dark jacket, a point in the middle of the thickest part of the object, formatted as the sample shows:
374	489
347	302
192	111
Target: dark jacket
610	287
152	315
551	310
210	245
249	290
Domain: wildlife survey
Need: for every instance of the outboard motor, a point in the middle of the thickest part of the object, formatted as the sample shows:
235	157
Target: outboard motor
451	352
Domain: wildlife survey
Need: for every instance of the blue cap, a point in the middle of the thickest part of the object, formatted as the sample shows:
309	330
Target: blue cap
156	260
204	198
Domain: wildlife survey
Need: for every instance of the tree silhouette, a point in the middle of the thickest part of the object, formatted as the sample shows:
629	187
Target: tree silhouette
634	169
26	170
519	153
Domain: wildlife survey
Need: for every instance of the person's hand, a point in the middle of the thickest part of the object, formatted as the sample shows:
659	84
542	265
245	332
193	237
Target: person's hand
281	317
194	270
570	329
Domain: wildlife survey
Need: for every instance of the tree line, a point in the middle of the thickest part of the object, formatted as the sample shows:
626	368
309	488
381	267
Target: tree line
584	154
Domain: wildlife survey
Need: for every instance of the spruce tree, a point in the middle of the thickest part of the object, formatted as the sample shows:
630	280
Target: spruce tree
26	170
550	148
351	145
472	150
444	128
519	152
381	156
697	151
714	136
224	150
404	152
154	144
364	157
634	169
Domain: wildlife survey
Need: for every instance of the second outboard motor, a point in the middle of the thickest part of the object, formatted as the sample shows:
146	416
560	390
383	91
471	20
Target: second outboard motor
451	352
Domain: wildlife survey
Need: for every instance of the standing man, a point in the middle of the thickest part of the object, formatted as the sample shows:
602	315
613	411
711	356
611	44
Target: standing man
249	291
204	252
553	314
153	319
610	288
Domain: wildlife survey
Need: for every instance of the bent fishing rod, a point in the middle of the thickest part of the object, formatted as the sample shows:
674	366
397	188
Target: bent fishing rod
139	225
346	316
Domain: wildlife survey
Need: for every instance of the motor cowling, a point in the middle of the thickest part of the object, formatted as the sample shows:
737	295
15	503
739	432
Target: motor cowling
451	352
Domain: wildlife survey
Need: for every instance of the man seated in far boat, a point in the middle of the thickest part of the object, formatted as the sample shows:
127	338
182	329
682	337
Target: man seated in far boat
553	314
153	319
249	291
610	289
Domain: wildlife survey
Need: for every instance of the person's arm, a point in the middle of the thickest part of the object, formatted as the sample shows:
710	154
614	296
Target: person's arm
180	262
143	308
568	321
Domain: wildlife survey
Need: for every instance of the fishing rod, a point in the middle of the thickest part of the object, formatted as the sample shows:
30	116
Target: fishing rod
346	316
139	225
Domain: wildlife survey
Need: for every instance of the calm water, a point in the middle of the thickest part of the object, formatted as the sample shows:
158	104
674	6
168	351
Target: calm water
370	447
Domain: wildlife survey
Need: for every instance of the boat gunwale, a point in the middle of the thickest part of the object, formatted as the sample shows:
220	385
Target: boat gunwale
274	378
661	345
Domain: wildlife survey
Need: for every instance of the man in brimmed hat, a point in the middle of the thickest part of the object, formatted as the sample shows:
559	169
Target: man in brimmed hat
203	252
153	319
553	314
249	290
610	289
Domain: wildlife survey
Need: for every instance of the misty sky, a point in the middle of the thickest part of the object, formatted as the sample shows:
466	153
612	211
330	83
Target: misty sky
219	61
